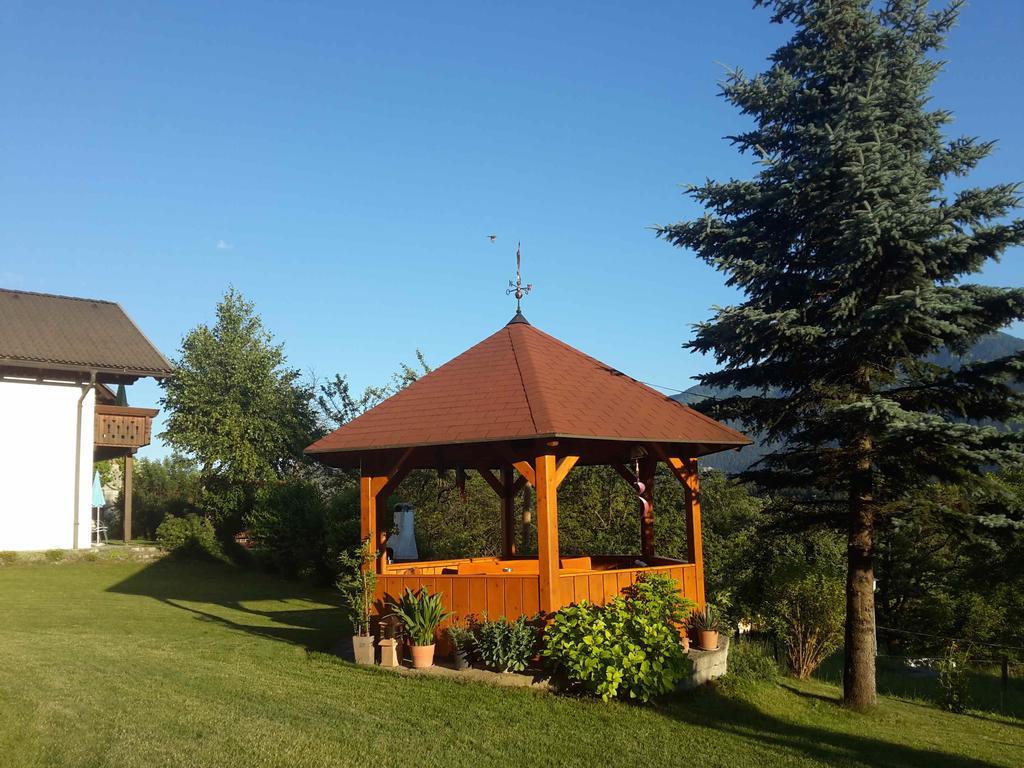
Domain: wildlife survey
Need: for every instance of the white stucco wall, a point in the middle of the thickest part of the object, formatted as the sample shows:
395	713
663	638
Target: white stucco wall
38	432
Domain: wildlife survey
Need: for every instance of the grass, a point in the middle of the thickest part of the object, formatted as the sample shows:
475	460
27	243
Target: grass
115	663
984	684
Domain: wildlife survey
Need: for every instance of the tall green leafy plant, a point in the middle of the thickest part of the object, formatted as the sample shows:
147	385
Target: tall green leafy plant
358	585
421	614
853	261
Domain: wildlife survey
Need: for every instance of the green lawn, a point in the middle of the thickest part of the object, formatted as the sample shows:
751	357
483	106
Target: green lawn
130	664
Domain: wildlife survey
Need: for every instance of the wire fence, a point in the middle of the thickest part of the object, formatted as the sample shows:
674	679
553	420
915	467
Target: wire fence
997	674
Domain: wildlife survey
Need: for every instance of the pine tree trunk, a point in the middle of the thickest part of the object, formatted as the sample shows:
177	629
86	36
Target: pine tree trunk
859	655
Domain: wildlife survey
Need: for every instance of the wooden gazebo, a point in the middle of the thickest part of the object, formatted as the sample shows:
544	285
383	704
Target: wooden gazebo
523	407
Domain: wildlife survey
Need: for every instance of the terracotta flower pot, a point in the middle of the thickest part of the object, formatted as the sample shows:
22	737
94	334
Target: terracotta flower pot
707	639
422	656
362	649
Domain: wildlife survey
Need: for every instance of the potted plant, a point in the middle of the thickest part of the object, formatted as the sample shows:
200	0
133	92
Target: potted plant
421	614
462	641
358	585
704	624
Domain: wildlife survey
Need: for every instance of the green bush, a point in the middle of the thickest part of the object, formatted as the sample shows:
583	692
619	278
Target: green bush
627	649
462	640
300	533
7	557
54	555
751	661
953	679
188	536
808	615
504	645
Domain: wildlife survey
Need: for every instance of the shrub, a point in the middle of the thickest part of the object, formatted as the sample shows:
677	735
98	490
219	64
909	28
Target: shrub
751	661
300	533
421	614
188	536
54	555
808	617
953	681
504	645
7	557
628	649
461	639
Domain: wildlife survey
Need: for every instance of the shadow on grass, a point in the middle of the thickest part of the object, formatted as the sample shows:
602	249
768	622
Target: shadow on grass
224	594
739	717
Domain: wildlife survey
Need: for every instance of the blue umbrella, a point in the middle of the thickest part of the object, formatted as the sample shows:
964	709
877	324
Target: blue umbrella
97	491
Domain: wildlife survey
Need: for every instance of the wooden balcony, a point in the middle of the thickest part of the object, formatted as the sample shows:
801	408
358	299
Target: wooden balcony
121	430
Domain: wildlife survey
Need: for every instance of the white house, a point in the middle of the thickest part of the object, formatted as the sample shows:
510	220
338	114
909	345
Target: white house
59	356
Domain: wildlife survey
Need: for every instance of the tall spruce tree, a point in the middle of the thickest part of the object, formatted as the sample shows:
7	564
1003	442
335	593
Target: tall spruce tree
850	256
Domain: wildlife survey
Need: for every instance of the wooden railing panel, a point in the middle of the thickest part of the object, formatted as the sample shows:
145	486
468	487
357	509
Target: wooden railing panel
496	595
122	427
599	587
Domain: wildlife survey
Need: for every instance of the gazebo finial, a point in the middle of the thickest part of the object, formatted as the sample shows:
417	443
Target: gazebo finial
517	288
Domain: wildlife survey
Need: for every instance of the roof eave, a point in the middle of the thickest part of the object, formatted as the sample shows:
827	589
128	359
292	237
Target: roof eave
43	365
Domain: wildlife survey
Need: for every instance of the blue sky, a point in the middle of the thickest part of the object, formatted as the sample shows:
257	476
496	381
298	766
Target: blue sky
343	164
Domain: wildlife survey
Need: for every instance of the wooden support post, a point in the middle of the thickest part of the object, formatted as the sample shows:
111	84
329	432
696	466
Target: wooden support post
647	471
547	533
369	489
686	471
129	468
508	513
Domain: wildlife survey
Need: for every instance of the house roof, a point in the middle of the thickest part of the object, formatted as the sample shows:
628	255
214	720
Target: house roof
520	383
46	332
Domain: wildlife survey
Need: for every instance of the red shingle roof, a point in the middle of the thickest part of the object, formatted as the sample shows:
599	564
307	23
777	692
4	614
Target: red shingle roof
521	383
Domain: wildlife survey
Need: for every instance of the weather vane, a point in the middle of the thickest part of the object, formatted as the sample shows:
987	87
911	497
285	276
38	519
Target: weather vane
517	288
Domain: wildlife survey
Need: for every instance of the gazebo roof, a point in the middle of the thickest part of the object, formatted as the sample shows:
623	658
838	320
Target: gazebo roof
520	384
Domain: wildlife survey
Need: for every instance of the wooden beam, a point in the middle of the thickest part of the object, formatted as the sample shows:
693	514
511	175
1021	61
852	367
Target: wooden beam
368	488
526	470
395	475
686	472
494	482
508	512
564	467
625	473
518	484
648	465
129	469
547	533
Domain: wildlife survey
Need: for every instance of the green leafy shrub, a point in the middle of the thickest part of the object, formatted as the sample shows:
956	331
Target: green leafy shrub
54	555
627	649
299	532
808	615
953	679
421	613
750	661
190	536
462	640
504	645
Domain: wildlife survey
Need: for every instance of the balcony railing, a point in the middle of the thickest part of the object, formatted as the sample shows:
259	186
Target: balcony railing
120	426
